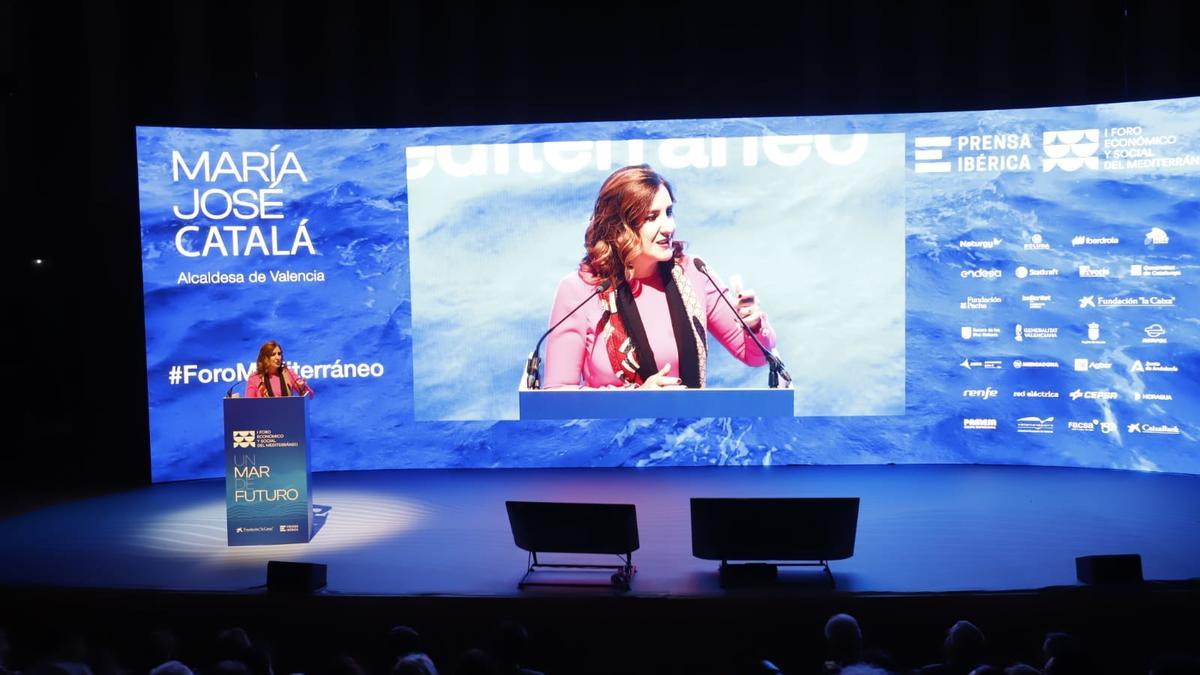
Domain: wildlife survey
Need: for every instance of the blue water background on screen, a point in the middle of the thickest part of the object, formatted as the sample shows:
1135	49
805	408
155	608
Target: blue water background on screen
358	204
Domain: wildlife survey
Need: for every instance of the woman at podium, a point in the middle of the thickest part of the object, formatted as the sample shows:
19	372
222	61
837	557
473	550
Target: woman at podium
272	377
648	327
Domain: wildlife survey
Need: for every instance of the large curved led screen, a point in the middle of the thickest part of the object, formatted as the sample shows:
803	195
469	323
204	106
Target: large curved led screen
980	287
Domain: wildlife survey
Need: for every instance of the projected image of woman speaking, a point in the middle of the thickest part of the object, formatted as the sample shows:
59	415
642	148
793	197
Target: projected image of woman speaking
648	326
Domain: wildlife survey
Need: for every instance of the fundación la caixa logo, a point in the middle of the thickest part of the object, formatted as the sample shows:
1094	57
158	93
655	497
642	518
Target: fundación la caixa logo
243	439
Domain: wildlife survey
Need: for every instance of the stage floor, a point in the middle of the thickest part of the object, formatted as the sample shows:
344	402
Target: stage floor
922	529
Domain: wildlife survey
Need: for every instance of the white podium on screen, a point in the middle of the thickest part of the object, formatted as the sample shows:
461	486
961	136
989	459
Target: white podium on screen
564	404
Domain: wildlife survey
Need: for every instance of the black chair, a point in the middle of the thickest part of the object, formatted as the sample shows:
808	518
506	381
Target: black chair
804	532
553	527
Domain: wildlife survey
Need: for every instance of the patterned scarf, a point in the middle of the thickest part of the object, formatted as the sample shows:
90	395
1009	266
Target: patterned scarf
624	335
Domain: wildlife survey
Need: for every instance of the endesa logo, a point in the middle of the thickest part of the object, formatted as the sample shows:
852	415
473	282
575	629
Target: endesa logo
981	274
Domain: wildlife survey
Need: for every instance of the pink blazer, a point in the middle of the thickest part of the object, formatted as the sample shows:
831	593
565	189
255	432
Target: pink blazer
574	357
297	386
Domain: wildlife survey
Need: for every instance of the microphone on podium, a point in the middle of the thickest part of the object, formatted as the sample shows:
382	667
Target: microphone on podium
533	364
776	364
302	388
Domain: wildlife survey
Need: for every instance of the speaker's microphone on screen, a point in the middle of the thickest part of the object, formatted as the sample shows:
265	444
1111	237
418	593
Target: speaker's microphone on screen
773	361
533	364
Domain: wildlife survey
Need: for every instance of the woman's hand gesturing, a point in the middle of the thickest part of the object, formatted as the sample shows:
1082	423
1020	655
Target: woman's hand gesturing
661	380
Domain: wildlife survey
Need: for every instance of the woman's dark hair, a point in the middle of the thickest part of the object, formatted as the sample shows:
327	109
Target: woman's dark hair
264	368
611	240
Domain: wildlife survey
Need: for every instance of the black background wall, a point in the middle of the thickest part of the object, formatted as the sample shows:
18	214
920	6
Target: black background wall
76	79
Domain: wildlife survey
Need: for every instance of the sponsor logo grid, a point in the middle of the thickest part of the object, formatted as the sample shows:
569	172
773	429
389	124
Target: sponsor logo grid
1021	274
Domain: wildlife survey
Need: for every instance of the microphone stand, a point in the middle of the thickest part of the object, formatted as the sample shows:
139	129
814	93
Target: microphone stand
295	379
533	364
775	363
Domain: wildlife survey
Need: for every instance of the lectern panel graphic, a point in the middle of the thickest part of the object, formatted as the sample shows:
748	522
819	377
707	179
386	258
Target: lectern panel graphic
267	471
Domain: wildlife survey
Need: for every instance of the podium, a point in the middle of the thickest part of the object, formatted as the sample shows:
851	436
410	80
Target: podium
267	471
560	404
